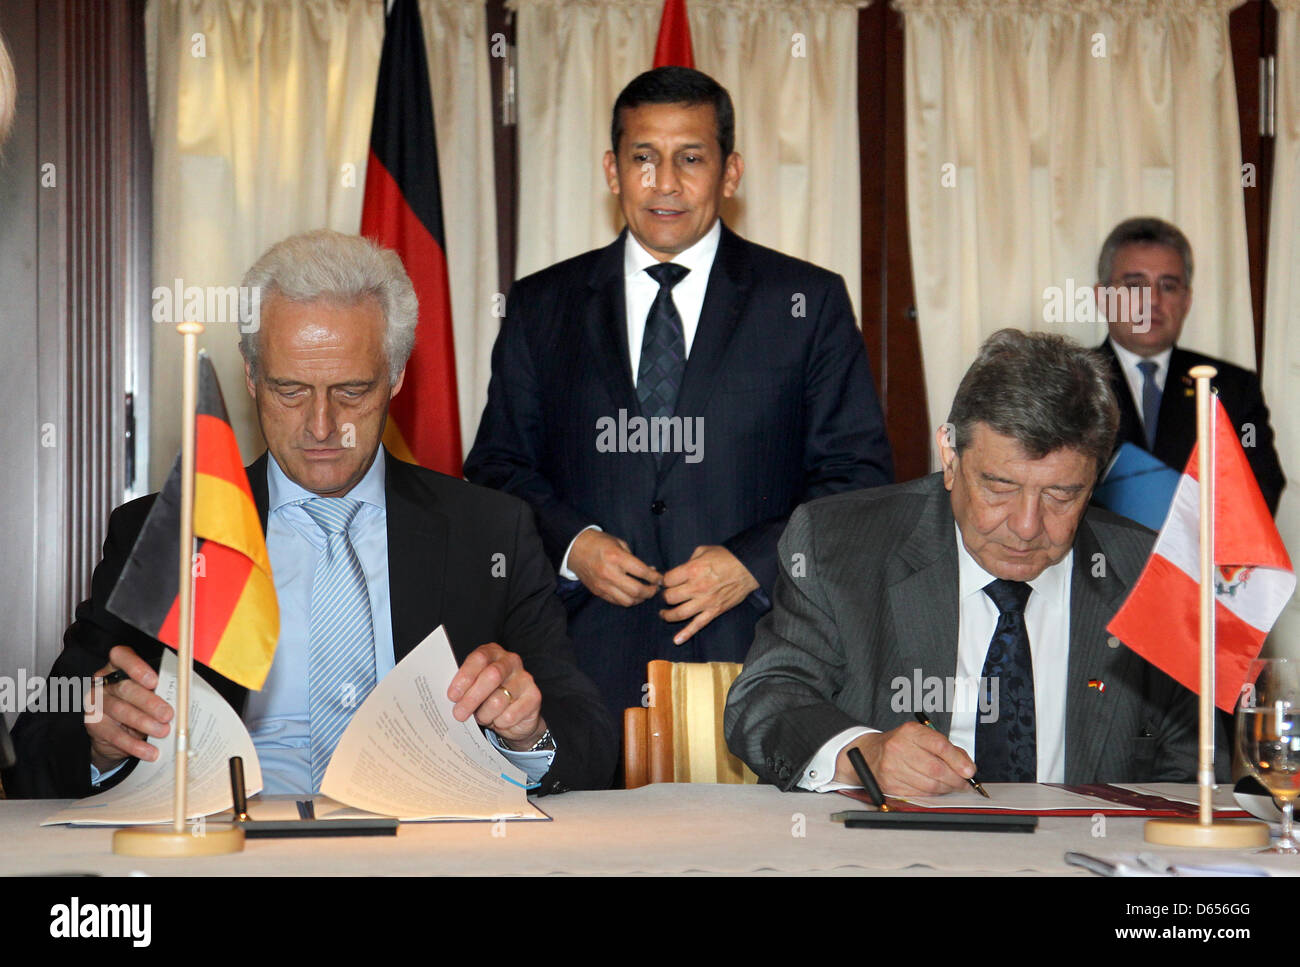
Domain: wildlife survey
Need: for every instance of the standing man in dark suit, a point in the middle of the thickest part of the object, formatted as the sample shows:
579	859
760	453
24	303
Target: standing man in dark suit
358	541
1149	373
665	402
980	596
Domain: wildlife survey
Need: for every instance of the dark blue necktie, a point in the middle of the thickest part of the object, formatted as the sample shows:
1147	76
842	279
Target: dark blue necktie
663	347
1006	750
1150	401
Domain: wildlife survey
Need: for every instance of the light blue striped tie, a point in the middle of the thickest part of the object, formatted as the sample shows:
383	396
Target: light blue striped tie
342	637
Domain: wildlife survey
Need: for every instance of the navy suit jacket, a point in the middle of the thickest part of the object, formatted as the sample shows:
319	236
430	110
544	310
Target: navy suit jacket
779	381
1240	394
442	538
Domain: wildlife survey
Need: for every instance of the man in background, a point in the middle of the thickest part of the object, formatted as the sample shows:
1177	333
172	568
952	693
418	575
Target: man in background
1150	373
665	402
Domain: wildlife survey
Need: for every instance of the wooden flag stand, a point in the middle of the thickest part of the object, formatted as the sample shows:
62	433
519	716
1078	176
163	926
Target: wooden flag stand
204	839
1203	831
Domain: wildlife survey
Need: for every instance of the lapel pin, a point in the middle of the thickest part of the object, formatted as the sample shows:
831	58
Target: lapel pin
1097	683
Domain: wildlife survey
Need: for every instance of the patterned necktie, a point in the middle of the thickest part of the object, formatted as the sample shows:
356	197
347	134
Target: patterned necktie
1006	750
663	347
341	636
1150	401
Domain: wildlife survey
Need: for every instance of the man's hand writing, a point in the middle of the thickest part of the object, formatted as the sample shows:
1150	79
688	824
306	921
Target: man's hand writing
130	710
910	760
493	686
711	583
610	571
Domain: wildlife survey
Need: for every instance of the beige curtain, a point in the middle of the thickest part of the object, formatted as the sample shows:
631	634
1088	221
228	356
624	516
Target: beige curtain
791	69
1033	127
261	121
1281	373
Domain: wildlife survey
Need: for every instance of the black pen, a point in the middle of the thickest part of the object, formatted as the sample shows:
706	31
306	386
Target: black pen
925	720
237	792
868	780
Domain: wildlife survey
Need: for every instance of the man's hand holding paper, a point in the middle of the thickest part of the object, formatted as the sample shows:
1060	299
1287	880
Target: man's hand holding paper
130	712
493	686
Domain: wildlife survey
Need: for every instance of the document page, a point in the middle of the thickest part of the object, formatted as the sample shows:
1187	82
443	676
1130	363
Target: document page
1017	796
404	755
145	796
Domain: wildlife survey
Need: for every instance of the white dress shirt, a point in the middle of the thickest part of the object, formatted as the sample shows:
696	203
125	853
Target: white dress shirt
1047	619
1128	364
639	291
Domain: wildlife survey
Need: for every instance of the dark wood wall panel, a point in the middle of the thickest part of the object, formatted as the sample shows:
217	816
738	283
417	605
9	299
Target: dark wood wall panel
888	301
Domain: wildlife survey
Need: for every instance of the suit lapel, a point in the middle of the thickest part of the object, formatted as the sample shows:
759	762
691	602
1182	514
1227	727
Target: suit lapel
1130	423
728	289
1095	595
257	484
417	556
1176	427
605	322
922	579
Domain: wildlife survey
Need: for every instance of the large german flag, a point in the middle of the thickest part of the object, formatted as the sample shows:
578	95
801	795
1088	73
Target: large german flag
402	210
236	617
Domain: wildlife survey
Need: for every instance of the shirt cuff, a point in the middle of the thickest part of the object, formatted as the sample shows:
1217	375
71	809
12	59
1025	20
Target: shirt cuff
96	777
564	571
534	764
819	773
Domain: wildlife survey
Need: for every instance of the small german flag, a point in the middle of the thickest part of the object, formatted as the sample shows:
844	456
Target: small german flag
236	617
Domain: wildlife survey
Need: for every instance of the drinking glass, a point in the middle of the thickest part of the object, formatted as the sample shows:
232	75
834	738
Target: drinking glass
1268	736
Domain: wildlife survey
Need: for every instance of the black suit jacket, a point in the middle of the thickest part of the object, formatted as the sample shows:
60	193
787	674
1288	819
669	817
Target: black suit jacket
442	535
1240	393
779	380
870	603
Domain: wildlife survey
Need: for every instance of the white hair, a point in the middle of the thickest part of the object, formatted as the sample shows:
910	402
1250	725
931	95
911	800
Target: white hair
328	266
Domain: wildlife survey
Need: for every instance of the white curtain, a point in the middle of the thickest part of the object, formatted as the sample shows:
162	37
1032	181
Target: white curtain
1281	373
791	69
1033	127
261	121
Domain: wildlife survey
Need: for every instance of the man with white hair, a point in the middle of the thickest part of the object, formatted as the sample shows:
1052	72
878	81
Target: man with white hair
337	323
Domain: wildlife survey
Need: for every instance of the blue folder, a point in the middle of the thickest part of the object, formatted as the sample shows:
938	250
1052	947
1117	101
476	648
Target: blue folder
1138	486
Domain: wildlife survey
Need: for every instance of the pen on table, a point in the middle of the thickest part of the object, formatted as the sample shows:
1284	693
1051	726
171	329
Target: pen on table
237	793
868	780
974	784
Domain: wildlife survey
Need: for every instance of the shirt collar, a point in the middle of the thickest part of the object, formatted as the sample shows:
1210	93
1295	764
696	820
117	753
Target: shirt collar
698	258
281	491
972	577
1130	360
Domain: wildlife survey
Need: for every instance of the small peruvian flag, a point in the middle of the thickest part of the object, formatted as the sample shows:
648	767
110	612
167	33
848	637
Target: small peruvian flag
1253	576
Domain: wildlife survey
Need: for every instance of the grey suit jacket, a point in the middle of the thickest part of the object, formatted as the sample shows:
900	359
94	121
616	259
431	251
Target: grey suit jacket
868	593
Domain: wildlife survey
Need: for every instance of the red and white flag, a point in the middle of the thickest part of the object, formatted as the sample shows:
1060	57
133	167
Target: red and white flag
1253	576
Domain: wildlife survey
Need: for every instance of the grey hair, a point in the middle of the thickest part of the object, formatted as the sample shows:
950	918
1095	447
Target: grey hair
8	92
1143	231
328	266
1044	391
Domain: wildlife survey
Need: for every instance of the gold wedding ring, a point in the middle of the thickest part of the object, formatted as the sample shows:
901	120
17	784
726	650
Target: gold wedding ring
507	691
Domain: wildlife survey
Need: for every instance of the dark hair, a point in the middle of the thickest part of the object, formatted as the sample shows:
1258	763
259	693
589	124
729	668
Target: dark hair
1044	391
1143	231
677	85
